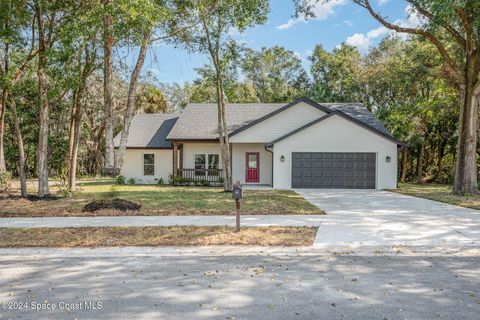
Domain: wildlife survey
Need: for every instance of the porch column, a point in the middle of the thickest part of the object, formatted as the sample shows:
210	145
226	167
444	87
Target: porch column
180	165
175	159
231	162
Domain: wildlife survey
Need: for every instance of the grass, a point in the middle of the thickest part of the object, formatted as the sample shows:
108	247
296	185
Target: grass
155	236
161	200
438	192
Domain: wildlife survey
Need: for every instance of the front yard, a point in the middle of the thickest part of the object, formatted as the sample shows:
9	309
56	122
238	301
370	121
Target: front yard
155	236
159	200
438	192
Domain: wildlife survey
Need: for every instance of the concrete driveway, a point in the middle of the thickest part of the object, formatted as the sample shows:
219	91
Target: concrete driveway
380	218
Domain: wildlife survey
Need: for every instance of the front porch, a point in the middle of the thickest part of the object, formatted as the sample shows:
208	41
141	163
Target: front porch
199	163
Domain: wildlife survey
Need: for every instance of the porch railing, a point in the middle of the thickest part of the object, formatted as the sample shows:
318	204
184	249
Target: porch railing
199	175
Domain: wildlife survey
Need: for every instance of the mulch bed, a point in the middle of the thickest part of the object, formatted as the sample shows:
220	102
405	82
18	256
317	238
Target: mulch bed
113	204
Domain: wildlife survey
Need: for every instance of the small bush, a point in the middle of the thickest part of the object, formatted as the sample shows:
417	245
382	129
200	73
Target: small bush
120	180
5	180
204	183
132	181
180	180
160	181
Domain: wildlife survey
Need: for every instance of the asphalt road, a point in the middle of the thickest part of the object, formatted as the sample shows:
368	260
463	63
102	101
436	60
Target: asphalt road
282	286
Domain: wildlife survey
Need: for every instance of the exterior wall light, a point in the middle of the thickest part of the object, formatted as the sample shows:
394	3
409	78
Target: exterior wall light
388	159
282	158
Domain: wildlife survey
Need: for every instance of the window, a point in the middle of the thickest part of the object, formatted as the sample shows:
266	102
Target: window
148	164
199	164
206	161
213	161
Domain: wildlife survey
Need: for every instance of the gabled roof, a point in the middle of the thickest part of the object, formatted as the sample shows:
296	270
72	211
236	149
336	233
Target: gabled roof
277	111
360	123
198	121
149	130
359	112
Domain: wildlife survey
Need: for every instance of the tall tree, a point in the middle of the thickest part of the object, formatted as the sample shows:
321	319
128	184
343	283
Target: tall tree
276	73
85	70
17	29
452	28
217	19
337	75
108	42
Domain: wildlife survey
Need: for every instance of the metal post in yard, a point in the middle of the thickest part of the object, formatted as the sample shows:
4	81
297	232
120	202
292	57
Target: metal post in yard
237	195
237	213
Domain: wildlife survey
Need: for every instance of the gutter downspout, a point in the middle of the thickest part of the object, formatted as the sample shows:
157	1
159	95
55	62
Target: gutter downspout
271	151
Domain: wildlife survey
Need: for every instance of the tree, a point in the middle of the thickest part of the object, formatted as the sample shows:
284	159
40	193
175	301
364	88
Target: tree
338	76
18	24
150	99
108	43
276	73
452	28
141	20
217	19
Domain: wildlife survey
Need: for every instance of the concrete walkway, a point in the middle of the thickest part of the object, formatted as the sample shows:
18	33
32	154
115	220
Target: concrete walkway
358	218
139	221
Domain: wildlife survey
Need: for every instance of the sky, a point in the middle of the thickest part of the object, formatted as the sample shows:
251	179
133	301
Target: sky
337	21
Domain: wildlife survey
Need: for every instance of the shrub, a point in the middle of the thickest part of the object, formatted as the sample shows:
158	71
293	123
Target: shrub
5	180
204	182
132	181
120	180
180	180
160	181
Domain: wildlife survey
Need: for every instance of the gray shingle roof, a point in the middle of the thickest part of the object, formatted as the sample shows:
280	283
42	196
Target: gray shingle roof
149	130
199	121
359	112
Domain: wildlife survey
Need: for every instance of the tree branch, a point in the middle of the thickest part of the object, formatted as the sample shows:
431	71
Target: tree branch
451	66
455	34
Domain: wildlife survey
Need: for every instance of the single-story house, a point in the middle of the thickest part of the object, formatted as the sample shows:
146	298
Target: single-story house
302	144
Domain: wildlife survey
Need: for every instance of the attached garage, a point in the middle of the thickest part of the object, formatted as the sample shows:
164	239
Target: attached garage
337	152
343	170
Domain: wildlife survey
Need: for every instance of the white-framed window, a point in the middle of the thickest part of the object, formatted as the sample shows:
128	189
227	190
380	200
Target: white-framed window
206	161
213	161
148	164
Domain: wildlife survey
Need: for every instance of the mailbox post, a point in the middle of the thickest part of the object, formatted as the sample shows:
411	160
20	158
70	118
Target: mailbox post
237	195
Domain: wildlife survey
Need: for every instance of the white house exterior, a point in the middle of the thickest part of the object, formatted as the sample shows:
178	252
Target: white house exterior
302	144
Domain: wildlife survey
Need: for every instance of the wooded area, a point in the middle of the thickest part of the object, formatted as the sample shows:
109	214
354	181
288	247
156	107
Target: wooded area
64	95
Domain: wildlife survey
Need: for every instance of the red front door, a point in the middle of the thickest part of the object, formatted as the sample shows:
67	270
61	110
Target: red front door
252	166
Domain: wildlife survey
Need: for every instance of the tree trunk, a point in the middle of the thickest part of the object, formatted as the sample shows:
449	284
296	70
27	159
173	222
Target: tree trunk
108	91
21	151
75	138
420	164
3	166
465	181
72	124
223	136
44	118
132	90
76	120
440	154
404	165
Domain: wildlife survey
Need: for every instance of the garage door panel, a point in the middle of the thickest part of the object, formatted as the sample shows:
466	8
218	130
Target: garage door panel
333	170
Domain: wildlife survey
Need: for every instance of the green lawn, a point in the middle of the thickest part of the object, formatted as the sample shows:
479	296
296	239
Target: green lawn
161	200
438	192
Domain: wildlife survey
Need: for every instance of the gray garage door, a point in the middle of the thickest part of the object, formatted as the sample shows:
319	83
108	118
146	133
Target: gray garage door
333	170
